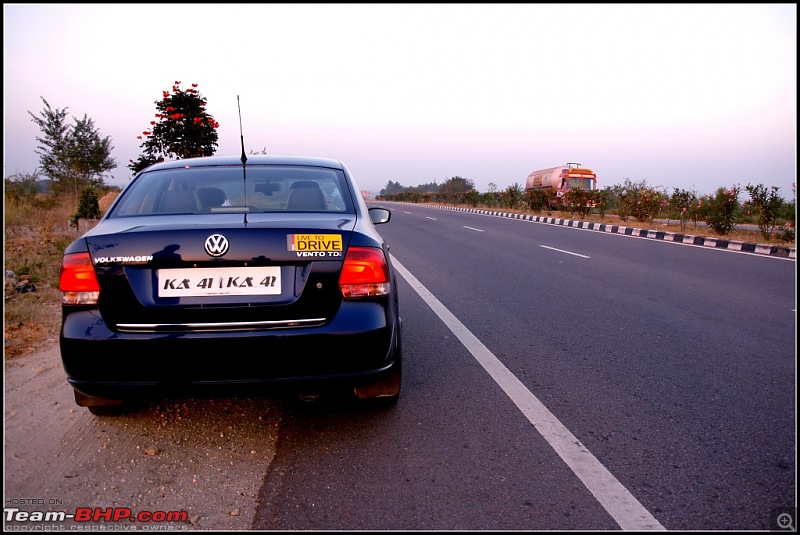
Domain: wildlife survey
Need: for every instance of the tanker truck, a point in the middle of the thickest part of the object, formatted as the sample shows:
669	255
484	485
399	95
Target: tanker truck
561	179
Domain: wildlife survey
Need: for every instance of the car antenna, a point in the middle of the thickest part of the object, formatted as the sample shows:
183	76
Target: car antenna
244	159
241	132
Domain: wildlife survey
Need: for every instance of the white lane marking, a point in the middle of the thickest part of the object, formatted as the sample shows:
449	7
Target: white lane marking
406	212
563	251
475	229
429	217
623	507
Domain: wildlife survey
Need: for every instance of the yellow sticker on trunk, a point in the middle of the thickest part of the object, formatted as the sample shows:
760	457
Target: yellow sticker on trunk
314	242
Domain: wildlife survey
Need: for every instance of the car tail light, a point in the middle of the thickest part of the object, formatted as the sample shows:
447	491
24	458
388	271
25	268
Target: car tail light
78	282
365	273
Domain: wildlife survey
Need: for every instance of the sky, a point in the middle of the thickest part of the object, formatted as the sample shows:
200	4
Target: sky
679	96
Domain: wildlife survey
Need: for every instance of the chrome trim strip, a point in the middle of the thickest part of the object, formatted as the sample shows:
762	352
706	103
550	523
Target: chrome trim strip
227	326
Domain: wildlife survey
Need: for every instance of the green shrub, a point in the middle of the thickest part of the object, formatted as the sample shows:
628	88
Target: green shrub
722	210
88	207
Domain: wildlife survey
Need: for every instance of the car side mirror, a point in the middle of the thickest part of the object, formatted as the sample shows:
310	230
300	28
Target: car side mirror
379	215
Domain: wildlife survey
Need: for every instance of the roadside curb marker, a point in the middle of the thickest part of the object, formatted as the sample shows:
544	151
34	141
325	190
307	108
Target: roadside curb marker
780	251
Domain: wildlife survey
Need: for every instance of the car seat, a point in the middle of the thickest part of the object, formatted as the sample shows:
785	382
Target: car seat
211	197
306	196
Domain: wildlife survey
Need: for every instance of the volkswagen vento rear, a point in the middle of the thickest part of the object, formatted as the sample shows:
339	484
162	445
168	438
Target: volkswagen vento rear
214	276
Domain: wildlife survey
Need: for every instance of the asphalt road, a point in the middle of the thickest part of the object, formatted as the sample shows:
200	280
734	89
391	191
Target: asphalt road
673	366
554	379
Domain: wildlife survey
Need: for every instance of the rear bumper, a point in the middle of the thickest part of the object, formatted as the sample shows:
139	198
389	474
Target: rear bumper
359	346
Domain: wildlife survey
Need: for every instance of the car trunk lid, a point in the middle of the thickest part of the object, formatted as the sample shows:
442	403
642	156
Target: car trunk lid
218	272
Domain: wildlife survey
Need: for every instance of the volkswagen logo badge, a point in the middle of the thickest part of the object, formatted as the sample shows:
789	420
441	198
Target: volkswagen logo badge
216	245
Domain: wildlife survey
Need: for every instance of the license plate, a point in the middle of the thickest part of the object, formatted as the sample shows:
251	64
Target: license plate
219	281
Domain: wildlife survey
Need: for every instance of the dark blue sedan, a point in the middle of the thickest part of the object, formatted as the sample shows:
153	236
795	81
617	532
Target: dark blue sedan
210	276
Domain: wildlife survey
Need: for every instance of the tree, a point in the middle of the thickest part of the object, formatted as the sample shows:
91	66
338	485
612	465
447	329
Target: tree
75	156
456	185
182	129
430	187
52	123
88	154
393	188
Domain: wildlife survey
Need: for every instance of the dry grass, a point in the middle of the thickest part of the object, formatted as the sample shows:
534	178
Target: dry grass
36	235
32	321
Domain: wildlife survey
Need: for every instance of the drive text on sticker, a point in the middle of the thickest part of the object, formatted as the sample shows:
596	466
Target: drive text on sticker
325	245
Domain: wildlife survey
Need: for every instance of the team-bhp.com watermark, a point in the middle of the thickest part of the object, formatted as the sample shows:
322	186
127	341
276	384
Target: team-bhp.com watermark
91	519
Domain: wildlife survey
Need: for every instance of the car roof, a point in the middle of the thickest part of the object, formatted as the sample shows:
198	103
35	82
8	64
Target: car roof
253	159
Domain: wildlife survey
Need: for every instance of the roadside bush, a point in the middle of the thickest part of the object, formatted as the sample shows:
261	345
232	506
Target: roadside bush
513	197
722	210
765	206
639	200
88	207
577	201
681	203
490	199
601	198
539	199
787	232
473	197
788	214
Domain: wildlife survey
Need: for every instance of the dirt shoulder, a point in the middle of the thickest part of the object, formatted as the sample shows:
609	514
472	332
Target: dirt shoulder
203	457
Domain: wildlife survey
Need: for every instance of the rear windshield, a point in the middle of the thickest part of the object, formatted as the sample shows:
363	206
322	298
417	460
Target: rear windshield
226	189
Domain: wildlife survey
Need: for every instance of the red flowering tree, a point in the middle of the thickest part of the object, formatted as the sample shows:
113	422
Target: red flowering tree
182	129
